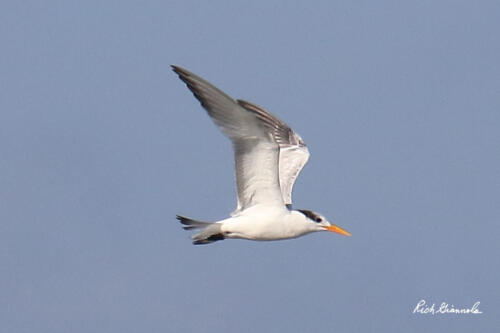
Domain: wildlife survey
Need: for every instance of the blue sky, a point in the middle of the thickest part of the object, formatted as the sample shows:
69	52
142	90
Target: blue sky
101	145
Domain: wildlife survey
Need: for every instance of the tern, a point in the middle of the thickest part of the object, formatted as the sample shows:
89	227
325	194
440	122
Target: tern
268	156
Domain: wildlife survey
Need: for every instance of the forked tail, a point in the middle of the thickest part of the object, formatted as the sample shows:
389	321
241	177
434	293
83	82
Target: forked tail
211	232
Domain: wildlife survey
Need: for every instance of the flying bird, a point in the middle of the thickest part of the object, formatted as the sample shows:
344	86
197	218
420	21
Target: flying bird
268	156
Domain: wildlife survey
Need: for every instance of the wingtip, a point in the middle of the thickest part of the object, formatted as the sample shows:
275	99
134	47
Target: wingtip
182	72
176	68
184	75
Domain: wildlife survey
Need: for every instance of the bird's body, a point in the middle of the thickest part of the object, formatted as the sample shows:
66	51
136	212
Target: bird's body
268	158
262	222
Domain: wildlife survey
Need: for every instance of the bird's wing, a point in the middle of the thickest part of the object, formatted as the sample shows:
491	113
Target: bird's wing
256	151
293	153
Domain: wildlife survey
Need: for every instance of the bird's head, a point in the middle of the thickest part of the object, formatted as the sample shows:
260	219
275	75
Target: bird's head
321	223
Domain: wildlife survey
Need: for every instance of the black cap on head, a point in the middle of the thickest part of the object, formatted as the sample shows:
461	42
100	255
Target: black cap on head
311	215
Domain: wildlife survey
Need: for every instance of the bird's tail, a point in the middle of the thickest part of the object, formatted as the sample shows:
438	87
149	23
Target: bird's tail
211	232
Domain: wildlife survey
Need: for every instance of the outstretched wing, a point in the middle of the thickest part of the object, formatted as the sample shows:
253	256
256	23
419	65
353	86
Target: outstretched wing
293	152
256	151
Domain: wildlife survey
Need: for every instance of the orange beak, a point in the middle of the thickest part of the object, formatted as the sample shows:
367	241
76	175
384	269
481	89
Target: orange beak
339	230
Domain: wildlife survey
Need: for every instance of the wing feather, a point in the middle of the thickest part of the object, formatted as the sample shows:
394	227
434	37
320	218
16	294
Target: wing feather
293	152
256	151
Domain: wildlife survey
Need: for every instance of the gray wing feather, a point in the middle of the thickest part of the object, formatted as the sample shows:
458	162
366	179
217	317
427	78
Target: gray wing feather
232	119
255	149
293	152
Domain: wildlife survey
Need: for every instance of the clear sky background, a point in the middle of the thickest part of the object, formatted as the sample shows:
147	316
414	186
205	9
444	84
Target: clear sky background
101	145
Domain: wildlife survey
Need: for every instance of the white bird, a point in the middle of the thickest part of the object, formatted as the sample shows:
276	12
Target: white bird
268	158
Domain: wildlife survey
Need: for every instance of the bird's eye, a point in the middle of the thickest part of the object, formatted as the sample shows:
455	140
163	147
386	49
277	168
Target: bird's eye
319	219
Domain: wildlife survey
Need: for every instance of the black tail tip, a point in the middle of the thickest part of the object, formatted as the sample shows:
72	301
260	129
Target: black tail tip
209	240
182	219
